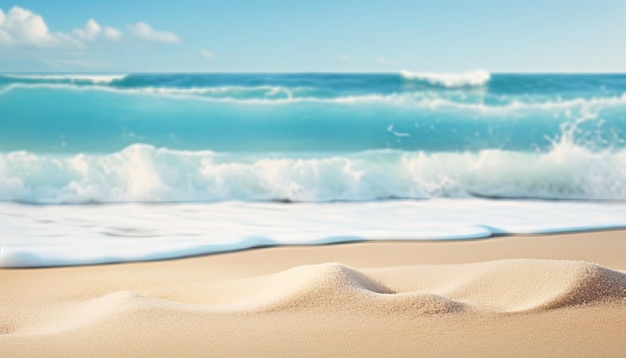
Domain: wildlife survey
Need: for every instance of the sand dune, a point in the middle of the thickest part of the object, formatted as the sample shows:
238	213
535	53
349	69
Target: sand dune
409	291
187	307
512	285
499	286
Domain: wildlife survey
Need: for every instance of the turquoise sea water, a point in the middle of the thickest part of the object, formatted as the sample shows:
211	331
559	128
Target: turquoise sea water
251	143
328	113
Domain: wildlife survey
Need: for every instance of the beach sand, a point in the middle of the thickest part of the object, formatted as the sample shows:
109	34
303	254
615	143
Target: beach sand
555	295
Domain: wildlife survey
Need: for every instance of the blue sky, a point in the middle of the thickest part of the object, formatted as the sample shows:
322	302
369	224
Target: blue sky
321	35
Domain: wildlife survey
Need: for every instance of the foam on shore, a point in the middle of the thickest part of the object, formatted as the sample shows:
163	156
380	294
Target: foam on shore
39	236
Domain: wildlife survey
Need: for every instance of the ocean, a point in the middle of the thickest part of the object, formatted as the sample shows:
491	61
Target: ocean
131	167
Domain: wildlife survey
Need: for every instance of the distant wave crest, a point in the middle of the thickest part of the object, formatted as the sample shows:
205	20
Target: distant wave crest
466	79
66	78
281	95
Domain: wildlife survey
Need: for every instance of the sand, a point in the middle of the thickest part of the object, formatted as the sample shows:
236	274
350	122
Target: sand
558	295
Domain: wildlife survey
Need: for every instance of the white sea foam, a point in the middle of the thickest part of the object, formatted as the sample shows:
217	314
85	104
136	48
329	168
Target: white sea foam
391	130
142	173
235	92
278	95
466	79
96	79
72	235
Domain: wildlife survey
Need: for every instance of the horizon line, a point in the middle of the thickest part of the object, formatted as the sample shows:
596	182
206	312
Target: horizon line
319	72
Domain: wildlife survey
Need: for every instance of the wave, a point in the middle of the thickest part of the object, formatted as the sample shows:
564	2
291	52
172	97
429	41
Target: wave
264	94
315	90
71	78
143	173
243	93
278	95
94	84
450	80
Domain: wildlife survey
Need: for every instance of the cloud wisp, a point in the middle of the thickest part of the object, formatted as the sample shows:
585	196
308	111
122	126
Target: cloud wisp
207	54
143	31
385	61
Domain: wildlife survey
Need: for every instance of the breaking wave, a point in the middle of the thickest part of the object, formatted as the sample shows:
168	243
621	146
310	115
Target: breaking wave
466	79
143	173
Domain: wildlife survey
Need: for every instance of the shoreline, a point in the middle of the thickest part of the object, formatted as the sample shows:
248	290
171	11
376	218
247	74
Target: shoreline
497	296
56	236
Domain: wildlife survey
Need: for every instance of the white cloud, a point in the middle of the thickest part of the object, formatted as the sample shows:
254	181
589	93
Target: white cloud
345	58
112	34
21	27
5	38
89	32
143	31
207	54
385	61
93	31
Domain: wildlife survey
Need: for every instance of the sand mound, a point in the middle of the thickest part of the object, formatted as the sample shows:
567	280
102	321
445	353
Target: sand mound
498	286
332	288
338	287
511	285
